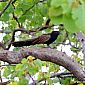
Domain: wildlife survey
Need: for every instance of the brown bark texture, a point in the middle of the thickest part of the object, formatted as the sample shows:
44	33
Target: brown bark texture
44	54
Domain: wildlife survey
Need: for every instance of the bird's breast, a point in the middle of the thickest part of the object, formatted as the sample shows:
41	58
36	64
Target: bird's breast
54	34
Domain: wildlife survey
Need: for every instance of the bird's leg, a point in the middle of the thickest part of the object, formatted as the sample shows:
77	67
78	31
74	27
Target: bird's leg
48	46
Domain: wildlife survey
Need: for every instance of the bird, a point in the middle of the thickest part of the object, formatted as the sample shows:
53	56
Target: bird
43	39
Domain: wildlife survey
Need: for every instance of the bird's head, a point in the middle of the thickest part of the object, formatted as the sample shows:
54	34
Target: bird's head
56	28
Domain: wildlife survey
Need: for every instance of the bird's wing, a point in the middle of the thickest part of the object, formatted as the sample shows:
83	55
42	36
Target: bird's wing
41	39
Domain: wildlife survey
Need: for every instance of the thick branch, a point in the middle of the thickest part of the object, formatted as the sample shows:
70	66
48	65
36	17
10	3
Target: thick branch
44	54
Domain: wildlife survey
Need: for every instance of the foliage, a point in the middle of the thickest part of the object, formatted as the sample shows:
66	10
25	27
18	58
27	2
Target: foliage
69	12
32	14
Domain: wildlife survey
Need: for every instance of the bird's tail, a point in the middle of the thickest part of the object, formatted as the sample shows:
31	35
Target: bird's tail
22	43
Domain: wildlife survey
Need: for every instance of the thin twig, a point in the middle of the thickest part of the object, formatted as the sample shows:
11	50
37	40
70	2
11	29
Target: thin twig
13	3
78	48
15	18
2	46
30	8
8	65
4	9
59	75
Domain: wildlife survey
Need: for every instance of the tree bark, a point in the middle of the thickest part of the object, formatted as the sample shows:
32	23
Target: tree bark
81	38
44	54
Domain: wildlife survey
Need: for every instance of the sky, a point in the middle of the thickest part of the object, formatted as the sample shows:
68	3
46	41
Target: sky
1	35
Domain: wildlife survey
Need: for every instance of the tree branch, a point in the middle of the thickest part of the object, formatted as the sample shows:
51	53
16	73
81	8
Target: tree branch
16	19
5	8
30	8
81	39
3	0
59	75
44	54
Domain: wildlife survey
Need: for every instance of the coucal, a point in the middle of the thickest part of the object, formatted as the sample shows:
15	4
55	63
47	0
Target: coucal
43	39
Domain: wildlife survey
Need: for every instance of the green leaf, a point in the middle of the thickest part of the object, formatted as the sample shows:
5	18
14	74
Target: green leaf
7	37
22	81
22	18
13	83
65	81
53	67
2	5
79	17
38	62
50	81
5	17
42	10
55	80
24	60
81	84
55	11
66	8
57	20
12	25
32	68
18	67
10	9
7	72
69	23
57	3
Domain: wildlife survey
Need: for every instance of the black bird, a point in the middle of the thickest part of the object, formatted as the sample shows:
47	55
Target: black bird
43	39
